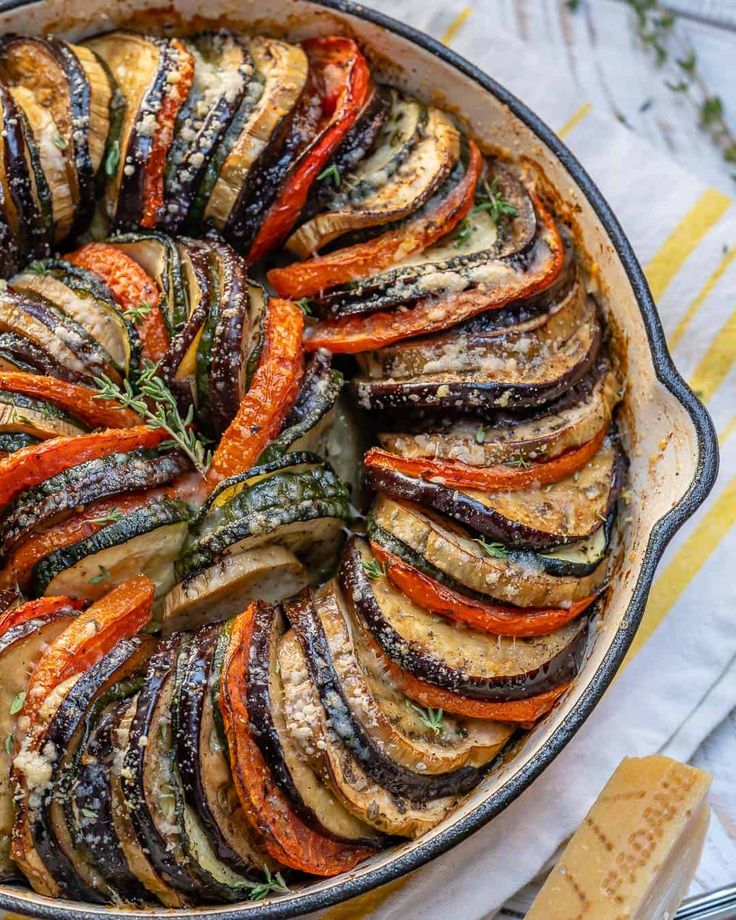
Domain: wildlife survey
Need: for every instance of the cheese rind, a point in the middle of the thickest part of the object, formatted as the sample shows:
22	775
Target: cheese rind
635	853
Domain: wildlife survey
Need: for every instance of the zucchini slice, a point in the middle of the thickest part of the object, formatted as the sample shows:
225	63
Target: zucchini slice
88	482
45	794
221	590
450	655
351	712
158	255
92	800
302	507
338	769
523	579
571	421
279	76
222	71
10	442
148	70
413	155
563	512
202	758
87	302
307	796
20	648
22	414
145	541
136	853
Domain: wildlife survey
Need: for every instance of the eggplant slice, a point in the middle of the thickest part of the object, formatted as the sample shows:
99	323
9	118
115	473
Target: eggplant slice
413	155
539	517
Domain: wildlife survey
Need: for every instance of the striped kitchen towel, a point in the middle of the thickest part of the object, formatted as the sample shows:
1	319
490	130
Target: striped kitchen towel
679	681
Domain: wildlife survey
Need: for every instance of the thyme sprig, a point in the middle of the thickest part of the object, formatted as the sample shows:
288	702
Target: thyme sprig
155	403
331	172
490	199
493	550
136	314
271	884
431	718
373	569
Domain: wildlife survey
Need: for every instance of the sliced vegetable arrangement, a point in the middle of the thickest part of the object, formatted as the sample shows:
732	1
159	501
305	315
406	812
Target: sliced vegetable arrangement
256	624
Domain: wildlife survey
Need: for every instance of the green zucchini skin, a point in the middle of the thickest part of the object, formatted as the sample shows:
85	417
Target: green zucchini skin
10	441
137	522
85	483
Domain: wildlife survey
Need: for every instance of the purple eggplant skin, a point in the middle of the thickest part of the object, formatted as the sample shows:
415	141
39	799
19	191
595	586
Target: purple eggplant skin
34	239
353	148
137	150
316	375
228	357
139	469
502	688
160	670
93	788
32	357
194	672
473	514
472	397
421	421
183	177
268	172
64	726
346	725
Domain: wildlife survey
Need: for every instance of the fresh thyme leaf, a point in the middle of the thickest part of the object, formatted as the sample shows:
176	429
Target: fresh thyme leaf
103	576
494	550
462	232
480	435
60	141
679	86
9	740
305	306
520	462
23	419
431	718
373	569
646	105
112	160
88	813
136	314
35	268
710	110
17	703
688	62
331	172
271	884
156	404
47	411
491	199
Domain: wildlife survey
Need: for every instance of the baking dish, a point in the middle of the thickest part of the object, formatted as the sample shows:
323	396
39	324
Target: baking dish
670	438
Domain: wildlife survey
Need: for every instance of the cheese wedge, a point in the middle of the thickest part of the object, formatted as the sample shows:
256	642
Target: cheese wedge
636	852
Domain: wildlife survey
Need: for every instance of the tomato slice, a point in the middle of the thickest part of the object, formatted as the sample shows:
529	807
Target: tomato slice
78	527
133	289
307	279
174	98
490	478
342	77
38	608
284	835
32	465
352	334
80	401
123	612
272	391
499	619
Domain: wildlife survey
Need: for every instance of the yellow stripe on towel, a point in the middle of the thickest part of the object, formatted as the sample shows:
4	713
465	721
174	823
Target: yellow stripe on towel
687	562
457	23
574	120
703	295
717	362
684	239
